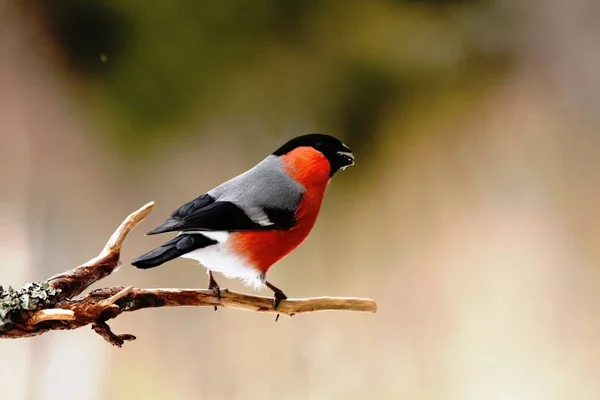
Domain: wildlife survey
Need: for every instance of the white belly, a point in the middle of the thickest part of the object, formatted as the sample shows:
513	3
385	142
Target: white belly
217	258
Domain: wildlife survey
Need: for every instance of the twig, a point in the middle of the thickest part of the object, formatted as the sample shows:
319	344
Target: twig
117	296
54	305
73	282
102	329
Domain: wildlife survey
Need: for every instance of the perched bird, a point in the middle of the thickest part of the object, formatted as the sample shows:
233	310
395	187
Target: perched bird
245	225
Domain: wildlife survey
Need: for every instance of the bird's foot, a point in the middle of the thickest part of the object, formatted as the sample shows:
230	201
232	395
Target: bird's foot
212	285
276	300
217	291
278	296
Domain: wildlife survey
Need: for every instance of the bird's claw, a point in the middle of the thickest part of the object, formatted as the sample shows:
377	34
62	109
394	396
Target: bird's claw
276	300
212	285
217	291
278	295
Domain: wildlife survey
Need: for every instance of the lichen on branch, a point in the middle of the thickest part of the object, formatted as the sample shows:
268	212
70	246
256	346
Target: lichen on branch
18	305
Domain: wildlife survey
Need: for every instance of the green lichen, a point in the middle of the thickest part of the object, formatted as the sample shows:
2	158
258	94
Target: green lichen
15	305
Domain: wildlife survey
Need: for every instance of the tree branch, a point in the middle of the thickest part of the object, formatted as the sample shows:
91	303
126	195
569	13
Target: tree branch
54	305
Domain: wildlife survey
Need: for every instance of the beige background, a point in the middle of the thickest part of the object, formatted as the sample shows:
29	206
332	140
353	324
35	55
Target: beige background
476	230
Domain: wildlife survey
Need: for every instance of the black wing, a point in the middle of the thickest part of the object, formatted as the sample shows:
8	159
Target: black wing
206	214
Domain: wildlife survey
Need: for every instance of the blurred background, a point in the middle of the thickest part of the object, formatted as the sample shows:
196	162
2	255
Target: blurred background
471	215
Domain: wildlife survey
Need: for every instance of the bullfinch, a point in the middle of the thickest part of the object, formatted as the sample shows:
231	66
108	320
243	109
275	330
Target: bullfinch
245	225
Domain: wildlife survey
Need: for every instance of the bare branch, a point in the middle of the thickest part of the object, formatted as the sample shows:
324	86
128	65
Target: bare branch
147	298
54	305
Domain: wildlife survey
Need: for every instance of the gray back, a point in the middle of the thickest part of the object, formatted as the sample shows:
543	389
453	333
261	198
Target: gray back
265	185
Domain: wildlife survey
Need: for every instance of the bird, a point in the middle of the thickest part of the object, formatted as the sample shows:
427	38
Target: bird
244	226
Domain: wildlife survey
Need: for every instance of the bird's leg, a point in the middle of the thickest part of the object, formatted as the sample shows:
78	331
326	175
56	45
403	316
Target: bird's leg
278	295
214	286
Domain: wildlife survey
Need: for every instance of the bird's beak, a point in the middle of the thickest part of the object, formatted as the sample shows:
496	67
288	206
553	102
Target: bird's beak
347	157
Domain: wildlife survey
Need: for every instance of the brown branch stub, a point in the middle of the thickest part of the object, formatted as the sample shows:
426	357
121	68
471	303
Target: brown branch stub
53	314
117	296
75	281
54	305
102	329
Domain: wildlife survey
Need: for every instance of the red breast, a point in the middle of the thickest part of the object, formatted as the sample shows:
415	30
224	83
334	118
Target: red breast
310	168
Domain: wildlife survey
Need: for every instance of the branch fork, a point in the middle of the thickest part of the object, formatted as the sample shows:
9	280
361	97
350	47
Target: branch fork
56	304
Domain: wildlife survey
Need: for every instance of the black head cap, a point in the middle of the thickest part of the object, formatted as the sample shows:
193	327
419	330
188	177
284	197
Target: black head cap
339	155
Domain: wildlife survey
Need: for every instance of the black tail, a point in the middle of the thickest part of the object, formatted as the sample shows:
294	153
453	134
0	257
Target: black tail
169	225
174	248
